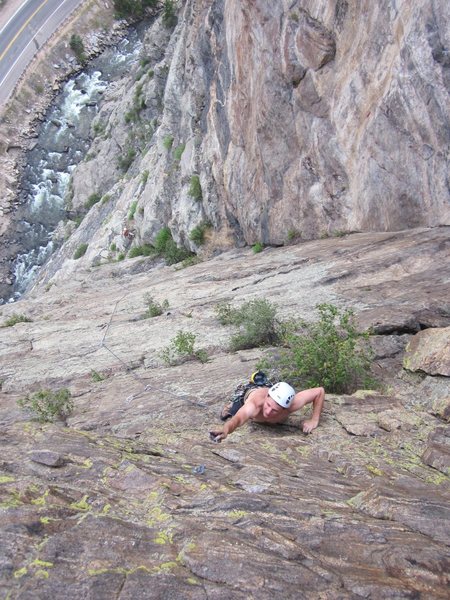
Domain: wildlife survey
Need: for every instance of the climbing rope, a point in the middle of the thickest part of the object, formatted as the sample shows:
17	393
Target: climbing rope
147	387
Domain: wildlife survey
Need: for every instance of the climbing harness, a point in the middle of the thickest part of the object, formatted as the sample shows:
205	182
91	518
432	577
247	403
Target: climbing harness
258	379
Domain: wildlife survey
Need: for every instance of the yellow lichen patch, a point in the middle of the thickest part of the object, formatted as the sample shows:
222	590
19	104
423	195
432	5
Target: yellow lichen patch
106	509
270	448
46	520
41	563
121	570
41	574
437	479
374	470
41	501
237	514
163	537
304	450
164	567
82	504
156	515
6	478
13	501
20	573
87	464
192	580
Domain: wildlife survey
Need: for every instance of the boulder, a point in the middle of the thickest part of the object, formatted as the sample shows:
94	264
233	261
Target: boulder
429	351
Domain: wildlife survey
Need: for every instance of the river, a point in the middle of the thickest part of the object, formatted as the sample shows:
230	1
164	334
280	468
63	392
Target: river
63	140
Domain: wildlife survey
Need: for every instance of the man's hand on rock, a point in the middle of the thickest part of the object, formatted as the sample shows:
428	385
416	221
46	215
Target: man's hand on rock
217	436
309	425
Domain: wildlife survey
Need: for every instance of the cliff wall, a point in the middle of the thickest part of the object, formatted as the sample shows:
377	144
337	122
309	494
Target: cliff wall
298	119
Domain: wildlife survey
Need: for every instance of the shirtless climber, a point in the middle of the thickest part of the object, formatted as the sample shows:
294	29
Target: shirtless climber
274	405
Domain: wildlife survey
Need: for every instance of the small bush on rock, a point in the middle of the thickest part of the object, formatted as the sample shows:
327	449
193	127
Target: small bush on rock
329	352
255	322
46	405
14	319
166	246
197	234
195	188
80	251
182	349
154	309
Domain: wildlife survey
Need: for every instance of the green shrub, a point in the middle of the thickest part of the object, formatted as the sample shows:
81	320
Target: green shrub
197	234
113	247
255	322
166	247
329	353
46	405
178	152
144	177
93	199
167	142
258	247
80	251
121	256
182	348
293	234
126	9
96	376
77	47
154	309
144	250
169	18
14	319
132	210
190	261
195	189
124	162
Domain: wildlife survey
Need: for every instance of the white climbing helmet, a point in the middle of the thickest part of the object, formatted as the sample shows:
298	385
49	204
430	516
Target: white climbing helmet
282	393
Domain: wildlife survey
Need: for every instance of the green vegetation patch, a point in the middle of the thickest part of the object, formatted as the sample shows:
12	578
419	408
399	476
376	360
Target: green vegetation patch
329	352
14	319
154	309
93	199
144	250
80	251
47	405
77	47
181	349
167	142
132	210
255	322
195	188
178	152
197	234
166	247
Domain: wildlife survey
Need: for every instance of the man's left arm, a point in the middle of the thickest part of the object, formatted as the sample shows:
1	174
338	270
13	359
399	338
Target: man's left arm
316	396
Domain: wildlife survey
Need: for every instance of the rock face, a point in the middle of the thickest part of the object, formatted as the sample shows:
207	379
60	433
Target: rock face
132	500
298	119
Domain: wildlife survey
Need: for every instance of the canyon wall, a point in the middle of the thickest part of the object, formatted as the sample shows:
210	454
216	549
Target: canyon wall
298	119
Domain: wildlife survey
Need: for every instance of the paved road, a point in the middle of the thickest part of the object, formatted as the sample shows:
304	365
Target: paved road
25	32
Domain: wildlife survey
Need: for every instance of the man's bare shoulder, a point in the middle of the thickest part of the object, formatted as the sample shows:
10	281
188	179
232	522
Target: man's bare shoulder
257	396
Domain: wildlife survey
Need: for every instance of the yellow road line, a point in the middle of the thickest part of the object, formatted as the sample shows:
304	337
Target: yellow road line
21	29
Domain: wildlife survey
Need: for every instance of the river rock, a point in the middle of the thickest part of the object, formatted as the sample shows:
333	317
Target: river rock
429	351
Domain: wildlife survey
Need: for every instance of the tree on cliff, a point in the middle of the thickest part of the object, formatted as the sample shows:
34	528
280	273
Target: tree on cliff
133	8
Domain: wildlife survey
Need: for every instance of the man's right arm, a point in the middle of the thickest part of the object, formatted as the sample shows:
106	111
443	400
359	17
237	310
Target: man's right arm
246	412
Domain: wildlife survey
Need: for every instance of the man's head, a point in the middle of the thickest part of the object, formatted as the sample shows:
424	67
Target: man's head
282	393
279	398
